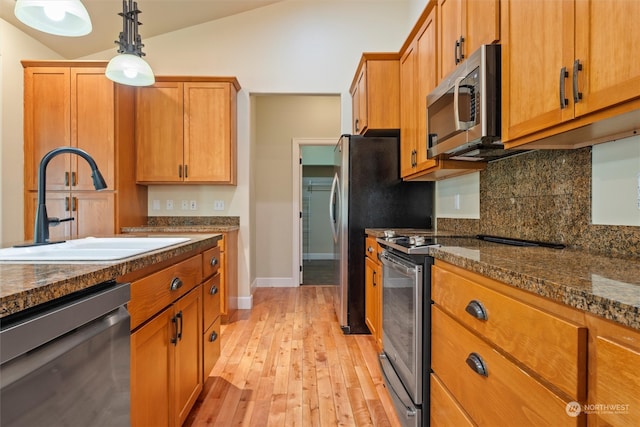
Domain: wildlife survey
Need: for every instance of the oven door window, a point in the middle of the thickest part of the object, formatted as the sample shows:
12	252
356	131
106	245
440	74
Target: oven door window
402	321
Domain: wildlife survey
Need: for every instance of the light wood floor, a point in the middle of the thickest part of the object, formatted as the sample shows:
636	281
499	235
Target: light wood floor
286	362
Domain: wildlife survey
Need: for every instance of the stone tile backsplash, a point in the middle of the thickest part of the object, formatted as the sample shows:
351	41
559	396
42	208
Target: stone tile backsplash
544	195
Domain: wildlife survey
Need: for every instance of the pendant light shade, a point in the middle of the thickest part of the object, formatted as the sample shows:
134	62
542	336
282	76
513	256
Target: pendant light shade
59	17
128	68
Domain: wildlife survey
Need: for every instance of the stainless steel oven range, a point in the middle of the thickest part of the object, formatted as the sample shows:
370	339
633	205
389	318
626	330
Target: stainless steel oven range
406	325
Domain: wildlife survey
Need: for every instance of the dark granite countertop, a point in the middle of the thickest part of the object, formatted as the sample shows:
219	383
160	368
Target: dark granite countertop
180	229
27	284
606	286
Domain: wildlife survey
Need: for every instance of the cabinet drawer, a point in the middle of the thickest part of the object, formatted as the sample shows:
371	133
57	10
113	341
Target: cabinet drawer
523	401
210	261
211	298
617	382
445	411
552	347
211	347
151	294
371	248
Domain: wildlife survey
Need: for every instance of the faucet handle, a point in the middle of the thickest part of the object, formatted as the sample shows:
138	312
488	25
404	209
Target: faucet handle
53	221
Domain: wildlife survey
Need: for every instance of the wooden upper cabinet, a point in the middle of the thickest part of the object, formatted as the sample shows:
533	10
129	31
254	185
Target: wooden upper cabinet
68	107
606	47
73	104
585	71
186	131
209	133
465	25
530	82
418	75
375	93
159	132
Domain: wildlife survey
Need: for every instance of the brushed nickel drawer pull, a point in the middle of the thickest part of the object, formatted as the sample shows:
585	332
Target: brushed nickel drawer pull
213	336
477	310
213	290
214	261
176	284
476	363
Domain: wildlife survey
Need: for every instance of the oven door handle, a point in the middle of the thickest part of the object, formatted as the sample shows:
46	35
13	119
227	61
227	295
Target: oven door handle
397	264
395	384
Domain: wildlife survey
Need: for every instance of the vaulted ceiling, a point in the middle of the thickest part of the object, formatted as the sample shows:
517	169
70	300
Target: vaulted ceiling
157	17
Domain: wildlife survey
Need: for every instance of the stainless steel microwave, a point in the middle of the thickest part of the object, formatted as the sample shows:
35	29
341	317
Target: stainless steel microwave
463	112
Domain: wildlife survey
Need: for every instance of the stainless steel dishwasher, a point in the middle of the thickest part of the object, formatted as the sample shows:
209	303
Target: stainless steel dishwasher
66	363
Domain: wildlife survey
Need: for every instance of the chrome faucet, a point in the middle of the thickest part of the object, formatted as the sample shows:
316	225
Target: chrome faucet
42	223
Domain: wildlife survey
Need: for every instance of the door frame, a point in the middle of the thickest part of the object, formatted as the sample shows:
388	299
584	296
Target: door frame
296	174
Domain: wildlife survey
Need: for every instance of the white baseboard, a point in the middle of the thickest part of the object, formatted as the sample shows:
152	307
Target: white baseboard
241	303
275	282
318	256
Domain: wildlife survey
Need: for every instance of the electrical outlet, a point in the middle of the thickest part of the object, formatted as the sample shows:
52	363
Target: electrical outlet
193	205
185	205
218	205
169	205
156	205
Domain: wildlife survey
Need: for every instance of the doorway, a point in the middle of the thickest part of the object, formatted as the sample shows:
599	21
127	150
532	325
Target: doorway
313	175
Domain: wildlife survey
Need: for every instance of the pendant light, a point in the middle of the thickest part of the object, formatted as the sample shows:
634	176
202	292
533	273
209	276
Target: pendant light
128	68
60	17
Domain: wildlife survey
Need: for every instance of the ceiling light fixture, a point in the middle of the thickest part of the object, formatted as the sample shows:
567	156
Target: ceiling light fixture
128	67
59	17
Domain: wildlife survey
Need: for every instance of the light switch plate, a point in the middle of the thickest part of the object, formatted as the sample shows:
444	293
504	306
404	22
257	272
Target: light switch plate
218	205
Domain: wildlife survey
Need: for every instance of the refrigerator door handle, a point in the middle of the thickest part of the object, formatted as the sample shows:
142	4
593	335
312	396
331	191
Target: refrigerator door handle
333	200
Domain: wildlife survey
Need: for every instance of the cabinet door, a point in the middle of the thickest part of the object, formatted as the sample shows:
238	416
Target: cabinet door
482	22
92	126
408	104
606	46
372	299
47	100
209	140
426	81
159	133
152	359
450	20
532	83
188	353
359	100
58	206
94	214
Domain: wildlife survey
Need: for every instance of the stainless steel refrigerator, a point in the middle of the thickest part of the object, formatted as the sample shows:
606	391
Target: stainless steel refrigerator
367	192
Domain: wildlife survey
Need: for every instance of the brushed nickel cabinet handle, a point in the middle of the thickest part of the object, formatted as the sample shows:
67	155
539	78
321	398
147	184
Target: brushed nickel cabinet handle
213	290
213	336
214	261
577	95
563	100
475	362
176	284
477	310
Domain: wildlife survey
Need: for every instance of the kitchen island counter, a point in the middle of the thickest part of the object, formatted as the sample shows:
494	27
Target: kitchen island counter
27	284
602	285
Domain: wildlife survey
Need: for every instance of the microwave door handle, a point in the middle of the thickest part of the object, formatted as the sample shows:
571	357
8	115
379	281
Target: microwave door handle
456	103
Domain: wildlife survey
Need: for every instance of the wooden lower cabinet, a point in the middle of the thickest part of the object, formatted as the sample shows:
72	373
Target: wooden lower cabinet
445	410
614	375
166	364
502	356
373	289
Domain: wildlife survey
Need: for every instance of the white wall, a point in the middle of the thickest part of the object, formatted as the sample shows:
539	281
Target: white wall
459	197
14	47
290	47
615	182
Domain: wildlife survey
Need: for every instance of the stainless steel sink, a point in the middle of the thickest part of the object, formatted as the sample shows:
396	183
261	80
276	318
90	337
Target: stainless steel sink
90	249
